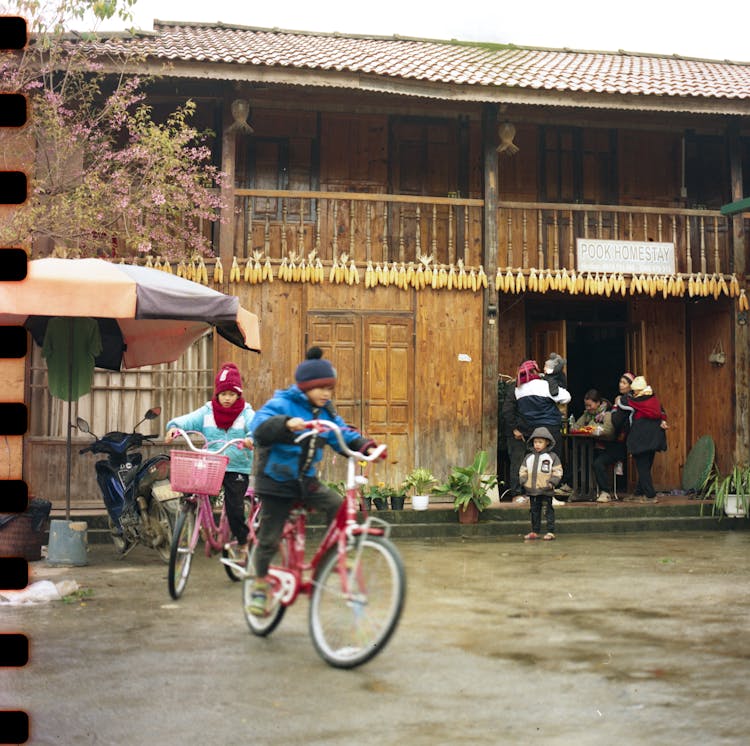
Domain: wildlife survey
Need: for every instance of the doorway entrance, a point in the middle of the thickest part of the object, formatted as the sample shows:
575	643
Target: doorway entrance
593	336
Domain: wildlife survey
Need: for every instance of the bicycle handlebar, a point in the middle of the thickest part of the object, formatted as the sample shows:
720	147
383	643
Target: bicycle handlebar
239	442
322	426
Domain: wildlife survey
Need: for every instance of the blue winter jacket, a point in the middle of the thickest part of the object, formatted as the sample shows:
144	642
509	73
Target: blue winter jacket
280	462
202	420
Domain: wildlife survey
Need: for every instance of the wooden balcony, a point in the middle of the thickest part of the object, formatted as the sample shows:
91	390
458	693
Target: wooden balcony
365	227
399	228
543	235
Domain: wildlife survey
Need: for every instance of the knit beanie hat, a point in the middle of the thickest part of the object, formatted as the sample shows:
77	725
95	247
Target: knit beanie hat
638	384
527	371
629	377
314	371
228	379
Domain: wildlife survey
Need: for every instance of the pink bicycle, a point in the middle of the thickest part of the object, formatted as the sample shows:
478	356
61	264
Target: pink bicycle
355	579
199	474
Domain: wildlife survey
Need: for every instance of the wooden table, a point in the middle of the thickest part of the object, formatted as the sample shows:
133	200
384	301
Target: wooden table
579	452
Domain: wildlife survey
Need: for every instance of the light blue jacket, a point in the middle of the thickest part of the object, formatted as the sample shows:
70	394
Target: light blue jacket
202	420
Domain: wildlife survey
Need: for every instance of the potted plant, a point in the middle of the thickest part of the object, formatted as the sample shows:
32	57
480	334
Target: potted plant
470	487
419	482
379	493
730	492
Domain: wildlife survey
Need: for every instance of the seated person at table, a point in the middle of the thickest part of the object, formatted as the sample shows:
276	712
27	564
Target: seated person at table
596	421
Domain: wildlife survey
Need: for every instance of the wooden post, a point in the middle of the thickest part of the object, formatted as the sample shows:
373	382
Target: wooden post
741	333
489	317
228	150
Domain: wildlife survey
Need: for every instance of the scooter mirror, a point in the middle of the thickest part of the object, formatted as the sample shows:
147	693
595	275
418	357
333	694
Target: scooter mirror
153	413
82	425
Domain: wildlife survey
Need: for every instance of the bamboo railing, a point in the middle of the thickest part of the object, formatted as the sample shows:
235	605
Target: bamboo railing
401	228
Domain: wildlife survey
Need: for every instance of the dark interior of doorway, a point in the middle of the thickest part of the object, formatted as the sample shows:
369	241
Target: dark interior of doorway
595	343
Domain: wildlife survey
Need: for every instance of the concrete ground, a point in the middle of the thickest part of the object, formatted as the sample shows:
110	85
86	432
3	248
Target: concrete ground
590	639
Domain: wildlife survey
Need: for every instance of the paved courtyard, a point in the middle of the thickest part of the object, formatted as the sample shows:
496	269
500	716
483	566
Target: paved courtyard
591	639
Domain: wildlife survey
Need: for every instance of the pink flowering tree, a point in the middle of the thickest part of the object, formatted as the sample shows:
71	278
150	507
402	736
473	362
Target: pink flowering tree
105	178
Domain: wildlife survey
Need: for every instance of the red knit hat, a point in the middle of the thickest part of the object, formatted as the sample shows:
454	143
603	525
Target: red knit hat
629	377
527	371
228	379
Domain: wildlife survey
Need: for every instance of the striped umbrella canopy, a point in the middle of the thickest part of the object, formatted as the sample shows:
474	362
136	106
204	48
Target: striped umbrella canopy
145	316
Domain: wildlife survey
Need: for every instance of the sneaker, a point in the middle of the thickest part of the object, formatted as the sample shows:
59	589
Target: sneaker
520	499
549	536
557	503
259	598
565	489
531	537
604	497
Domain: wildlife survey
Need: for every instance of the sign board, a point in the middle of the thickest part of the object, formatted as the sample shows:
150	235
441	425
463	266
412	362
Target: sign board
628	257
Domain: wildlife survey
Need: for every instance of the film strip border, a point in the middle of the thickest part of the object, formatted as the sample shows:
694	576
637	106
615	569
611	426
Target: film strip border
14	571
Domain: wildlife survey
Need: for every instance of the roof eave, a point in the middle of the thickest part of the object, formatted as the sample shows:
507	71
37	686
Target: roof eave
347	80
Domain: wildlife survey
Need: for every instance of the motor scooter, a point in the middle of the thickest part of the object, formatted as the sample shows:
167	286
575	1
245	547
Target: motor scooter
141	505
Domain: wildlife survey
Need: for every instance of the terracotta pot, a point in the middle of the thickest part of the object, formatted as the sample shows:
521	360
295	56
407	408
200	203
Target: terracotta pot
468	515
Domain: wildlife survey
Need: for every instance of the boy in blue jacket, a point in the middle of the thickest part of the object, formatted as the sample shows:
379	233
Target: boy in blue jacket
226	417
285	471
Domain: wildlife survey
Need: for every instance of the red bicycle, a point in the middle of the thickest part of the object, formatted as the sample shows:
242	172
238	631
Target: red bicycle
199	474
355	579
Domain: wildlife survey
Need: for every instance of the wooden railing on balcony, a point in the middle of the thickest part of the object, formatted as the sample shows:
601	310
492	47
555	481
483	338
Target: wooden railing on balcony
543	235
366	227
400	228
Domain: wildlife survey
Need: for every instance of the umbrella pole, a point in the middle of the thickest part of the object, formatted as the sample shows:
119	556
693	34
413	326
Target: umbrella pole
70	415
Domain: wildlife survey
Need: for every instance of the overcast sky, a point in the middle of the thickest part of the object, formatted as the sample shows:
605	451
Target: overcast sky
714	30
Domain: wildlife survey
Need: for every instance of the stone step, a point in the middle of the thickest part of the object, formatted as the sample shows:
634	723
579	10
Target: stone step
441	521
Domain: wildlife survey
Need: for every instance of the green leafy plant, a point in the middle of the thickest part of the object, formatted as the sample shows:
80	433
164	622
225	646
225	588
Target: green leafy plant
469	484
721	486
420	481
381	494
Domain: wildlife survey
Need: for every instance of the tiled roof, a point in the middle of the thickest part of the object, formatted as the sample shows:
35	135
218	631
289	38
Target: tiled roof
442	62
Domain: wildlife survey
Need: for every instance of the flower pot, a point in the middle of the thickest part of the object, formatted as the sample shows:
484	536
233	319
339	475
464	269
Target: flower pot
381	503
397	502
733	507
420	502
367	503
470	514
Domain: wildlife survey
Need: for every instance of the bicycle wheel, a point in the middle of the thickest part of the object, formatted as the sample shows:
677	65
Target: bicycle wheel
261	625
162	526
348	629
181	553
233	574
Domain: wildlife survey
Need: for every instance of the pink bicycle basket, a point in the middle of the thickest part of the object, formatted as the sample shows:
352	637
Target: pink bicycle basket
197	472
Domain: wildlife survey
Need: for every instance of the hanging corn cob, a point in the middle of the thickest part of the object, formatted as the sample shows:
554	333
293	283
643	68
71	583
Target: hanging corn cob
218	271
181	269
352	277
734	286
234	271
520	280
510	282
742	302
369	274
722	285
499	279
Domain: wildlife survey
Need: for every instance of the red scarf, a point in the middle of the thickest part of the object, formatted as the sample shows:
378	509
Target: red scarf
225	416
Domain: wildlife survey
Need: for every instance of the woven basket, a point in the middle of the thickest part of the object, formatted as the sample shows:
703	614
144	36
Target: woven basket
18	539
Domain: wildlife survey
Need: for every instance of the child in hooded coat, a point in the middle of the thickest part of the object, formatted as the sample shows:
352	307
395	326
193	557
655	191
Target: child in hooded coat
540	472
226	417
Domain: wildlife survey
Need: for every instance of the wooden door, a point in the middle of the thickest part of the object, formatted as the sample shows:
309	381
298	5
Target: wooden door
388	389
547	337
635	349
374	359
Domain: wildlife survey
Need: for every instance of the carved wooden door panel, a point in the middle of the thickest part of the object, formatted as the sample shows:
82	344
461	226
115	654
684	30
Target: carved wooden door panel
374	358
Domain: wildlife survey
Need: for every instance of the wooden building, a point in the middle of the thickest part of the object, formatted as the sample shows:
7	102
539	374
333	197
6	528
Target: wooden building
384	154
